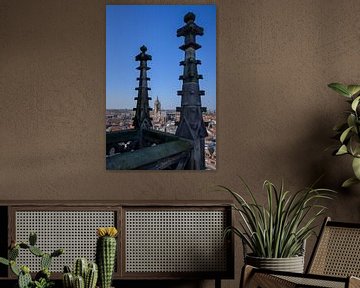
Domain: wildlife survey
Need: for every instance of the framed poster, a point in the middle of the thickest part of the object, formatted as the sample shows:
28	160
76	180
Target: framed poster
161	115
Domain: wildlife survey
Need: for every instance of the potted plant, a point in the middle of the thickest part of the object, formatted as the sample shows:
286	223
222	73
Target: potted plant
42	278
348	132
276	233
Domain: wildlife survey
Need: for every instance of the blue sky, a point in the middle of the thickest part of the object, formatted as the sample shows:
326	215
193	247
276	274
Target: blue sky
128	27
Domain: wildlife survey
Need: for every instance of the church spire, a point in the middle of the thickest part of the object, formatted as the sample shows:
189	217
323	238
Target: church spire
142	115
191	125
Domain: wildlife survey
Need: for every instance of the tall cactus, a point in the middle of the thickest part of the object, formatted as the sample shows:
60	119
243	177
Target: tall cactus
106	254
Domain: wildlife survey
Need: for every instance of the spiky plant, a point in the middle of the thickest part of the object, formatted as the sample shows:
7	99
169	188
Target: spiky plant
279	229
348	132
106	254
84	273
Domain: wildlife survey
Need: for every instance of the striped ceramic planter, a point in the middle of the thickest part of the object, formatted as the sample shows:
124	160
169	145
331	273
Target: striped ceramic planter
291	264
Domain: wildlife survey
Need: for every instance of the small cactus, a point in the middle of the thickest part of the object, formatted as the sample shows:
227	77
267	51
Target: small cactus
68	280
13	253
106	254
44	273
84	274
91	276
24	280
57	252
24	246
36	251
45	261
79	282
67	269
81	266
32	238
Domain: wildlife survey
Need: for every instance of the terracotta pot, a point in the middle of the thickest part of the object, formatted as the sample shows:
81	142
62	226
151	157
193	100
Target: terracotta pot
291	264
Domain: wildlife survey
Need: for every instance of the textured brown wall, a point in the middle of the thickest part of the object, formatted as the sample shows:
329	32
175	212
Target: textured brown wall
275	113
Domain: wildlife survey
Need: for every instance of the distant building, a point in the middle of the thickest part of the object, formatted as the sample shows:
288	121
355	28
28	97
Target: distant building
157	106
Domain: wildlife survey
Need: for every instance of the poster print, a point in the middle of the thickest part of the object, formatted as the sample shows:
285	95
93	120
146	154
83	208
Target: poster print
161	115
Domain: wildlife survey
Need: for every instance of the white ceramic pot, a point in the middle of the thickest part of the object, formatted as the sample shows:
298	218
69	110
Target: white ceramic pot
291	264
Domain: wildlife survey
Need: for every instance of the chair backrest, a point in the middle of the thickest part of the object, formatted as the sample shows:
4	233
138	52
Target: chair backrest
337	251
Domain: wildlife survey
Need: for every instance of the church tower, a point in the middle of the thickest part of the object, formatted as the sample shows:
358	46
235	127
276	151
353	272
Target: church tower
191	125
157	106
142	111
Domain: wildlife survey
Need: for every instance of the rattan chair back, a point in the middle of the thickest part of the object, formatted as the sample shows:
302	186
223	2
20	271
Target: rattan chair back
337	252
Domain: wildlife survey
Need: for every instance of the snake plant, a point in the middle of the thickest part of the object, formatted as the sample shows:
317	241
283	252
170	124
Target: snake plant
279	228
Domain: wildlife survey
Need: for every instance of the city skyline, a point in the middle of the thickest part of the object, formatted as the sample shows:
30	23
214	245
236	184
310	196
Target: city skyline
128	27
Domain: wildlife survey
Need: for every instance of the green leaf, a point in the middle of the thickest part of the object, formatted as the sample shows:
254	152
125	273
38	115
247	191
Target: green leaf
353	89
342	150
354	145
349	182
14	268
4	261
351	120
355	103
340	88
356	167
345	134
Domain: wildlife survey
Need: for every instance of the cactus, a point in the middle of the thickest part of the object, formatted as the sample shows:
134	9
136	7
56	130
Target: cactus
57	252
32	238
24	280
79	282
42	278
105	254
89	272
80	268
45	261
91	276
67	269
24	245
36	251
68	280
13	253
44	273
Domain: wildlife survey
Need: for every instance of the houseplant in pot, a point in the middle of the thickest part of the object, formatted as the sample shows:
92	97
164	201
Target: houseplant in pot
348	133
25	280
275	233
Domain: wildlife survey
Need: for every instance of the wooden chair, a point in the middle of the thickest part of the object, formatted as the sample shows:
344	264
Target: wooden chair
335	262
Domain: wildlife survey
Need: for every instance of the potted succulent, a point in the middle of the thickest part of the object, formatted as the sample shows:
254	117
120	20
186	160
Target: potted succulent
348	132
42	278
275	234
